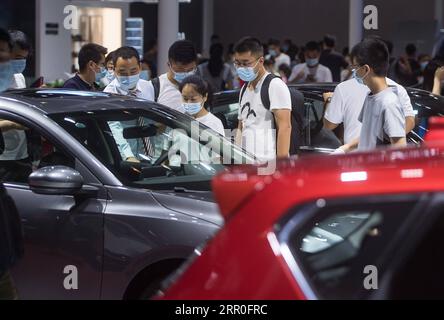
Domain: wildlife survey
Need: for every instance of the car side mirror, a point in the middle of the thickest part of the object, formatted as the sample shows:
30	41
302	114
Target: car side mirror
55	180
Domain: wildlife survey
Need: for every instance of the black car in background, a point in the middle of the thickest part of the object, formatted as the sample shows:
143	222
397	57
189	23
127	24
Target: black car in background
315	137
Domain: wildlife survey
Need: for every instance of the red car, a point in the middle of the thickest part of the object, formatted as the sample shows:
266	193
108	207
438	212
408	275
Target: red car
359	226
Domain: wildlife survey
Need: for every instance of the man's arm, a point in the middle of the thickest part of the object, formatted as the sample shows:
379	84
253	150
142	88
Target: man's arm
409	124
327	99
439	76
6	125
283	126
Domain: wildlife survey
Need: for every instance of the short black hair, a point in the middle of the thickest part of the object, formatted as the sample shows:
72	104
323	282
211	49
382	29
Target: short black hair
90	52
5	37
126	53
374	53
410	49
389	45
312	46
20	40
330	40
249	44
109	57
182	51
200	85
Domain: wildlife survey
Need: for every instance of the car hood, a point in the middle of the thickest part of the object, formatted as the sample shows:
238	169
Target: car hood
198	204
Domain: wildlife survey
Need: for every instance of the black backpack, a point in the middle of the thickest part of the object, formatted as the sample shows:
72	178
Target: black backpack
297	111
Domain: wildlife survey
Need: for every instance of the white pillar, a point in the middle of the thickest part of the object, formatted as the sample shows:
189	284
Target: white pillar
356	16
168	29
208	25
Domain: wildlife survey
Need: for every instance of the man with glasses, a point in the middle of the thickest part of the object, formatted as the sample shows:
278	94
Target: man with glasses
345	104
263	131
91	68
182	62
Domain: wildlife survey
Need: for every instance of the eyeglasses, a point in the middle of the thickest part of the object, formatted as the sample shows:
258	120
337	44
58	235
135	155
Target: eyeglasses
238	64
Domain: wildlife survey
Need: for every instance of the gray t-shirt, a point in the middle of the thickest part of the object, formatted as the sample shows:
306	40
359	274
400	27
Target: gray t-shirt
382	117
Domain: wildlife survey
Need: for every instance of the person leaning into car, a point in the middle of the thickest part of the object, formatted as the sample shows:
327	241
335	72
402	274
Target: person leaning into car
11	238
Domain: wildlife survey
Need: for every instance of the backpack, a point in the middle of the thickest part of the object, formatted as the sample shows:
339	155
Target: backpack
297	111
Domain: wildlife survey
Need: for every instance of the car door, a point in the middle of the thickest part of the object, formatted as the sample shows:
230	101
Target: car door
63	234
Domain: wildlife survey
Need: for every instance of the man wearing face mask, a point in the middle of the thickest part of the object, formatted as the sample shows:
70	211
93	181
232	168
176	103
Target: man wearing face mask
345	104
262	131
182	62
274	51
91	68
127	70
21	48
311	71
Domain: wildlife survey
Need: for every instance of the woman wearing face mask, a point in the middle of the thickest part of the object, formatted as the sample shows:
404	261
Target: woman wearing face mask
195	96
109	65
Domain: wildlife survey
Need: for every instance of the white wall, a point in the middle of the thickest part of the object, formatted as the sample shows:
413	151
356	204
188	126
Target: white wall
53	52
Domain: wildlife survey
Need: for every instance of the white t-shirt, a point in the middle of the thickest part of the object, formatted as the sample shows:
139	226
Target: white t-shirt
321	73
213	122
382	117
258	133
18	82
169	94
347	101
281	59
15	140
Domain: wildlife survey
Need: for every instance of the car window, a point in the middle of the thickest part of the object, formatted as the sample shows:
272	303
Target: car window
26	150
148	149
333	248
229	113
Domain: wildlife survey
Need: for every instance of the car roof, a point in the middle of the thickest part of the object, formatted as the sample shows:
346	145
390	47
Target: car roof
383	171
52	101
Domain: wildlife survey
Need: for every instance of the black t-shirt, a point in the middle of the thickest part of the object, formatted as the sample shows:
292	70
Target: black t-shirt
334	61
78	84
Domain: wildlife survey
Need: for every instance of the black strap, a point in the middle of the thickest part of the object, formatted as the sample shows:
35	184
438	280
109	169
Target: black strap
156	86
242	92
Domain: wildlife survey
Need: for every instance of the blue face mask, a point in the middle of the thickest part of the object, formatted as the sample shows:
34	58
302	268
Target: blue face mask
18	65
247	74
145	75
424	65
101	74
312	62
180	76
272	53
110	75
6	75
358	78
128	82
192	108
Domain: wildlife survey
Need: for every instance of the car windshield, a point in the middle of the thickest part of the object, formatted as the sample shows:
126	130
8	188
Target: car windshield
152	148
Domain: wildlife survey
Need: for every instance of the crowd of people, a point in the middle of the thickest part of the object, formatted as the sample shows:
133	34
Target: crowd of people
370	100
